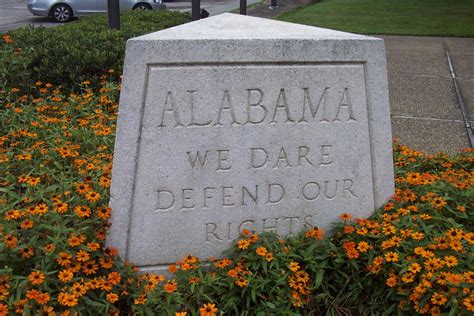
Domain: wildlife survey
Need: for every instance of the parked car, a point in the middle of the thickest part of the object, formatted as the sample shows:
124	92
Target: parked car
65	10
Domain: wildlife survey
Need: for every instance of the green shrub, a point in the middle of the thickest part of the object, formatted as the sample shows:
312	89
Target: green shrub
78	51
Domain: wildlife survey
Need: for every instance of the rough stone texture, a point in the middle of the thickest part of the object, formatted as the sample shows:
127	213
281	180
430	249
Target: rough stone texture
294	121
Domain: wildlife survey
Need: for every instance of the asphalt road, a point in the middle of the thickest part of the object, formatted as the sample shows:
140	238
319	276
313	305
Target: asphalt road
14	14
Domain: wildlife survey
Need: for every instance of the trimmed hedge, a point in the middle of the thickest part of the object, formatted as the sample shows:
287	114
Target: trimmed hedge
78	51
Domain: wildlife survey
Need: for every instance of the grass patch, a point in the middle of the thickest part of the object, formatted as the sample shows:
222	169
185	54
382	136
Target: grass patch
393	17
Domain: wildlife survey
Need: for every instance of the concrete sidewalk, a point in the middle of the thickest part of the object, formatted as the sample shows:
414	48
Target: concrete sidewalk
427	112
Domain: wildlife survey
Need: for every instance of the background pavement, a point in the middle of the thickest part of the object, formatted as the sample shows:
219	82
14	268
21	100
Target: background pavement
428	114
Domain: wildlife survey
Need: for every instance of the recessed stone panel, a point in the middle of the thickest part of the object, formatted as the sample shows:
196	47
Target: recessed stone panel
245	130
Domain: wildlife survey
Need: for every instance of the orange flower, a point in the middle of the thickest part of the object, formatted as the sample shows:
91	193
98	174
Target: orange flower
26	224
269	257
92	196
241	282
67	299
294	266
392	281
103	212
316	233
414	268
208	310
349	229
172	268
391	256
82	211
75	240
363	246
243	243
112	297
10	240
261	251
223	263
65	275
114	278
64	259
90	267
438	299
171	287
82	256
43	298
352	253
345	216
36	277
450	261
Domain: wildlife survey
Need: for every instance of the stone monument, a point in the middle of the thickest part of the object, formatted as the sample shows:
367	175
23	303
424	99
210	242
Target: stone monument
235	122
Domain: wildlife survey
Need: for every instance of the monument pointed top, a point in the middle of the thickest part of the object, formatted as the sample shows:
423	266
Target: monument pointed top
229	26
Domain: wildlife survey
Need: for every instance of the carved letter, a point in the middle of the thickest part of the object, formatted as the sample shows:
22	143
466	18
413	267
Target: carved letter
313	110
347	186
308	224
275	199
244	223
170	100
302	152
187	198
213	228
260	164
226	196
308	194
253	197
282	157
291	218
198	158
257	104
325	151
345	103
226	104
222	156
193	119
162	204
326	185
282	105
270	228
206	197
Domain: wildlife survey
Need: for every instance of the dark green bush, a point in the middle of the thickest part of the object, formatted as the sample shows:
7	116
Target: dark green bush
80	50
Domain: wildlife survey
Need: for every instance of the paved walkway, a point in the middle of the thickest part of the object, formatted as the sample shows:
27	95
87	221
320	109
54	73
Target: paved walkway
429	113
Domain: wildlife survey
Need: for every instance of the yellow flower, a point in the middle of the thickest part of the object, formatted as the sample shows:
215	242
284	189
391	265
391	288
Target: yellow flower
36	277
112	297
450	261
294	266
261	251
208	310
391	256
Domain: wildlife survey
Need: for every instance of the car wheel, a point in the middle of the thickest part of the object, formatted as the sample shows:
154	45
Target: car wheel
61	13
142	6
